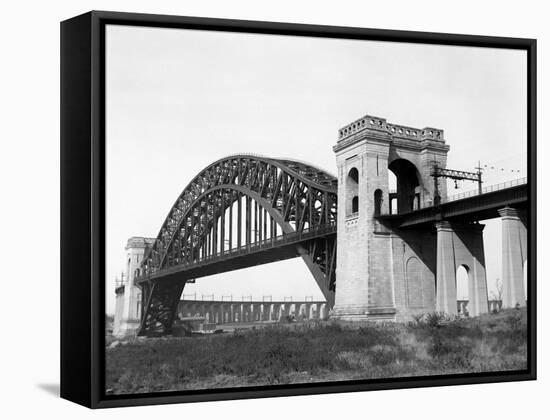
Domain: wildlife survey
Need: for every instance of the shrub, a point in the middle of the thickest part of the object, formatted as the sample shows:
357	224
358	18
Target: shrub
513	321
418	318
435	319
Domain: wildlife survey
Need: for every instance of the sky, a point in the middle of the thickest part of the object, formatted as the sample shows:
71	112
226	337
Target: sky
177	100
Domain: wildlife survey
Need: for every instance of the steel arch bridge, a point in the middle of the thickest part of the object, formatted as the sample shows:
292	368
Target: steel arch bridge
240	211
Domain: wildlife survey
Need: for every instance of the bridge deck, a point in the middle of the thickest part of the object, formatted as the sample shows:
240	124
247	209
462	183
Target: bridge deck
473	208
262	252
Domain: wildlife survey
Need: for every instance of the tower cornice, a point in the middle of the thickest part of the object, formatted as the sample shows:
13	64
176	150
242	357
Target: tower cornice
377	128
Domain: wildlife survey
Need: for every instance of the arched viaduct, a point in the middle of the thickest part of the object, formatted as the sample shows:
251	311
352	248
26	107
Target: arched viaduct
228	312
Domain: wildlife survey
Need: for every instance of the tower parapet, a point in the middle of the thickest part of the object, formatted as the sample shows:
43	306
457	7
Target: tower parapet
369	124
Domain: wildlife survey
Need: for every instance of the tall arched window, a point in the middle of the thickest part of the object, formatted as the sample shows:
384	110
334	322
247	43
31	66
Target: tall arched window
377	202
353	175
352	192
355	204
138	306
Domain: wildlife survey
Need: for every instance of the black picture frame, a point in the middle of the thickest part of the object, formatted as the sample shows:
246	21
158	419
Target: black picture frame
83	205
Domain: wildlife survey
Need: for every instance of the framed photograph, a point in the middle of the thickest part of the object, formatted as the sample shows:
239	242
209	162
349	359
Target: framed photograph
257	209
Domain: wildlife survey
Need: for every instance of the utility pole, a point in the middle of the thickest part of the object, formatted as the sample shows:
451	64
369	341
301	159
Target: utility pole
456	175
479	181
435	175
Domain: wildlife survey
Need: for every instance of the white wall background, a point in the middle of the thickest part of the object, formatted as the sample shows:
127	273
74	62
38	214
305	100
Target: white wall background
29	173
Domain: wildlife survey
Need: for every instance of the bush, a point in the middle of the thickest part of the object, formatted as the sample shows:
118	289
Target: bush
418	319
514	321
435	319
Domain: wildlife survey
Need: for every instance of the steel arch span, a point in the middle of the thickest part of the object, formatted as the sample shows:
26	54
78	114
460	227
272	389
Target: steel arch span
240	211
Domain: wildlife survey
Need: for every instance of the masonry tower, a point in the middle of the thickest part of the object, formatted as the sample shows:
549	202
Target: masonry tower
128	295
386	273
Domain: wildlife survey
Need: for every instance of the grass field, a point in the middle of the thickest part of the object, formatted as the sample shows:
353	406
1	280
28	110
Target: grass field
320	351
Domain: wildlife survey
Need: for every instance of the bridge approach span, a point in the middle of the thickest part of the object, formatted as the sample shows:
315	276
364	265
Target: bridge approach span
468	209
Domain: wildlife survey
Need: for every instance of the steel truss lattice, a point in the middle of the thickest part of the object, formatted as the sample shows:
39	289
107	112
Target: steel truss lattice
241	210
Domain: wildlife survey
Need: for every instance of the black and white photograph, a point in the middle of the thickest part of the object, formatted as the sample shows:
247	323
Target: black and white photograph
285	210
275	210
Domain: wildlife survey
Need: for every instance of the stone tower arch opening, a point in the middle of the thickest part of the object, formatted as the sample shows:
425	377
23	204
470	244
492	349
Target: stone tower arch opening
407	191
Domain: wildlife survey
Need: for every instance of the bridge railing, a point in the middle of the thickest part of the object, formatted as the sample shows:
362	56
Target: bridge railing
254	246
485	190
472	193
